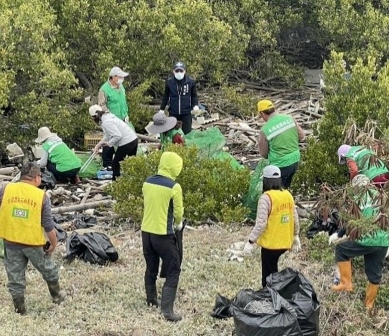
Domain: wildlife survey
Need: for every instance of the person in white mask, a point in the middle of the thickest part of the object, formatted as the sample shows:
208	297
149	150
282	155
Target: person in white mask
181	96
112	98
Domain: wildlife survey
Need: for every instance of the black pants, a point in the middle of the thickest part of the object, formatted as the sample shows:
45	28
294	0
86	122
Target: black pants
287	174
129	149
374	258
269	260
186	121
164	247
107	156
61	177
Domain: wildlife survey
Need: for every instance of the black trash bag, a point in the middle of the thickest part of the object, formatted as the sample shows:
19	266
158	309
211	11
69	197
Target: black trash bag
297	290
331	225
61	234
222	308
276	318
48	180
92	247
179	235
82	221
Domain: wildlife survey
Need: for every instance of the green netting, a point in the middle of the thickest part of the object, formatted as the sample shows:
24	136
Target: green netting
209	142
93	167
227	156
255	188
1	248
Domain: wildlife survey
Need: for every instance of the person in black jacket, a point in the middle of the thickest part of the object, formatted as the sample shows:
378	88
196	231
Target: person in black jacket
181	95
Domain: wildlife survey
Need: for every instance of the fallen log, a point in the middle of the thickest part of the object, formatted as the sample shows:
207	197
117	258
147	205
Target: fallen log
8	170
79	207
87	192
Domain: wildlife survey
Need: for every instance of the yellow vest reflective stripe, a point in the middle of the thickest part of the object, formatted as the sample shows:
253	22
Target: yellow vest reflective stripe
280	224
21	214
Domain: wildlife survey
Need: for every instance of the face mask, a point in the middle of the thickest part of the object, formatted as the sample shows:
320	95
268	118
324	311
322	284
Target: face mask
179	75
120	81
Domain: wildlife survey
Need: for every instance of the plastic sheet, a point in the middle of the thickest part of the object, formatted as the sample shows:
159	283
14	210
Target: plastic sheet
92	247
93	167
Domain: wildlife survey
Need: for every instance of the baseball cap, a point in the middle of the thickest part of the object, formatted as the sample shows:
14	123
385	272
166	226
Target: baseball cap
271	172
179	65
94	109
342	151
264	105
116	71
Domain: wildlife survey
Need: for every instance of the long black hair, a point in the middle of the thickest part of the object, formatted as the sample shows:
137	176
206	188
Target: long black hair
272	184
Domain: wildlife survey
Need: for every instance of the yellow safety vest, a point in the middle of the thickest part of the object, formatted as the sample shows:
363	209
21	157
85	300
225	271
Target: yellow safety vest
21	214
280	224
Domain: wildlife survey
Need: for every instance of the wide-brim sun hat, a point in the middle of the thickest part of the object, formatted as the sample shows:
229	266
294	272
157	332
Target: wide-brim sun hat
161	123
43	134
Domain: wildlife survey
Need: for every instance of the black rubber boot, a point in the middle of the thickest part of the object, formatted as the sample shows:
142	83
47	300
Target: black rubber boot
55	291
20	306
167	303
151	294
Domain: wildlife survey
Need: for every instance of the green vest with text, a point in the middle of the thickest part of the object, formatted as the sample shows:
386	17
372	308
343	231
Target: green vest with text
116	100
61	155
167	137
282	136
361	156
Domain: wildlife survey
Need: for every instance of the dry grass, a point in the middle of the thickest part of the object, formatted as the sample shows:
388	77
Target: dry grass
110	301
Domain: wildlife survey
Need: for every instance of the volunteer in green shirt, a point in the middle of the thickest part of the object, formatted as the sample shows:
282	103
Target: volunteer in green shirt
372	246
57	157
112	98
279	141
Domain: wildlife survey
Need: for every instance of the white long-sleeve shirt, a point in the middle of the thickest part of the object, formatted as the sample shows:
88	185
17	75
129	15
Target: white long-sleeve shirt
116	131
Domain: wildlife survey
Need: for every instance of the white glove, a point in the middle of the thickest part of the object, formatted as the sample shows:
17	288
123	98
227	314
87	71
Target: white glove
333	238
387	253
248	248
178	227
126	119
161	111
195	108
296	247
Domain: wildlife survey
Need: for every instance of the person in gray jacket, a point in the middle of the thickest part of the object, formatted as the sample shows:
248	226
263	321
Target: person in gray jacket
116	134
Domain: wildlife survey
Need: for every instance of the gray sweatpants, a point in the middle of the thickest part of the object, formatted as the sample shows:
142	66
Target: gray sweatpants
374	258
15	262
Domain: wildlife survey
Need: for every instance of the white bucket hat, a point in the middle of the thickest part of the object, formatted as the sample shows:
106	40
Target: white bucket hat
271	172
161	123
360	180
94	109
43	134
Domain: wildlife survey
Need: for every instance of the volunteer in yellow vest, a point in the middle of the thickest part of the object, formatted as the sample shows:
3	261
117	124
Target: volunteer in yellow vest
279	141
112	98
162	217
277	224
25	218
57	157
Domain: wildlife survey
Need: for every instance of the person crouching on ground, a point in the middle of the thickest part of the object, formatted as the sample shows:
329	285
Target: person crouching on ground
116	133
57	157
162	216
25	217
168	128
277	224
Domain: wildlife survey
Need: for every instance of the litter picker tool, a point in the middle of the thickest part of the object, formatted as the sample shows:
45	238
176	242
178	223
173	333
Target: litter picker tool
87	162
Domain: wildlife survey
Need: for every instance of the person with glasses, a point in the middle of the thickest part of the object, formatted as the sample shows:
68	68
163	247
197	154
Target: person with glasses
181	96
25	221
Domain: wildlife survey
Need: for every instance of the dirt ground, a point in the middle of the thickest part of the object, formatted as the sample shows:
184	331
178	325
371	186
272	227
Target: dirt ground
110	300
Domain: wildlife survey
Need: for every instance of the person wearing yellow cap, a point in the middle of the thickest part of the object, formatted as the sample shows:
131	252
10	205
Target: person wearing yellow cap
279	140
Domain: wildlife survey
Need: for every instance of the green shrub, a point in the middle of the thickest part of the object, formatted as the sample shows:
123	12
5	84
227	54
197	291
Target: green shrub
212	189
319	250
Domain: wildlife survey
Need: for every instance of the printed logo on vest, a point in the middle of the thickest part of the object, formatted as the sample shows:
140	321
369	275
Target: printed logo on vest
285	219
20	213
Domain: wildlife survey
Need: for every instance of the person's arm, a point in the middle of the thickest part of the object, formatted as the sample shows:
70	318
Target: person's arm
296	222
44	158
48	223
194	97
263	145
264	208
102	100
300	131
178	206
352	168
165	97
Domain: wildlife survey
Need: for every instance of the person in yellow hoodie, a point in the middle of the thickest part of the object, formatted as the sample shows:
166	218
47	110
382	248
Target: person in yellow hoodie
25	219
162	217
277	224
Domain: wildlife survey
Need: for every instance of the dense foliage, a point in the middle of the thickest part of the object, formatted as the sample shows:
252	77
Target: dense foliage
212	189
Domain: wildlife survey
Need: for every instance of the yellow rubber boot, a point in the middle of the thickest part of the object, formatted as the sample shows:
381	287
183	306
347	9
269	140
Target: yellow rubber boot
345	284
371	294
